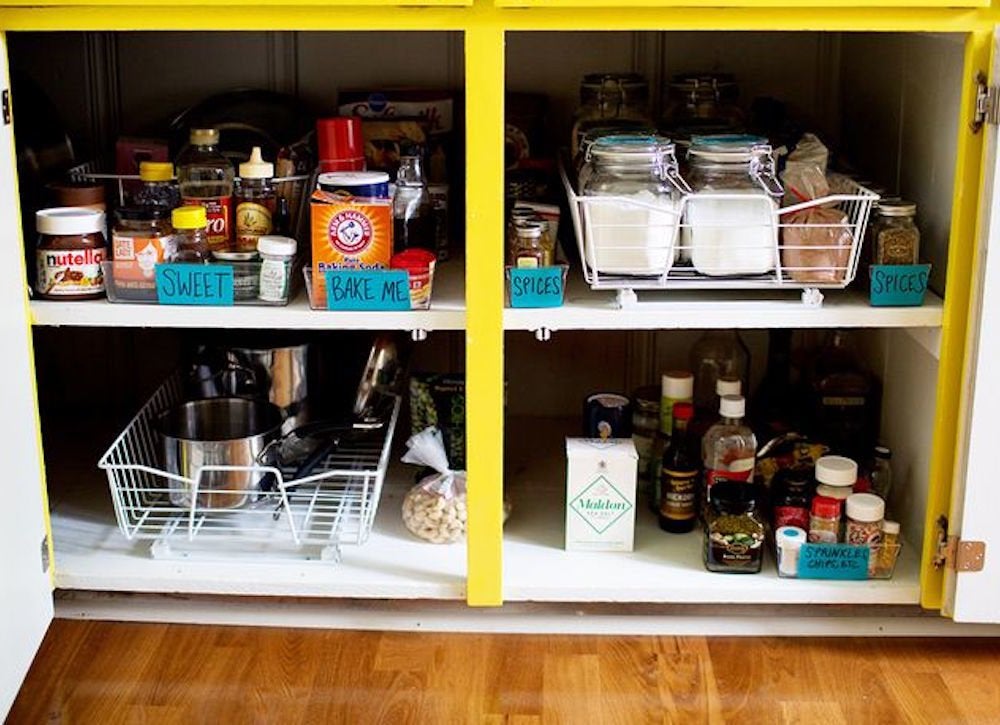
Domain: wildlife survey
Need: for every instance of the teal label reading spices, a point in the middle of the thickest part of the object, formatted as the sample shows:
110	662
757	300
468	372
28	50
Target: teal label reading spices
833	561
536	286
899	285
371	289
194	284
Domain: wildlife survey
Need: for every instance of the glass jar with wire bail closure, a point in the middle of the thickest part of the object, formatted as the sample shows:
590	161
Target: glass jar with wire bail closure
610	99
730	225
631	205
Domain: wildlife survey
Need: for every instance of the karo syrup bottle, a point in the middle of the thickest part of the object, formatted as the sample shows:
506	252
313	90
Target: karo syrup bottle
206	177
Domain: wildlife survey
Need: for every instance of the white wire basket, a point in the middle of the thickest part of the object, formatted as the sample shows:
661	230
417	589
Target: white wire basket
308	519
629	244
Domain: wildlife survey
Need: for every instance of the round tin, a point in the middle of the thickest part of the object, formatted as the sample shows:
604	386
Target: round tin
366	184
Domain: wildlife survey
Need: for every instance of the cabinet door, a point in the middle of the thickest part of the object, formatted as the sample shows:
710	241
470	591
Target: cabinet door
738	3
25	586
974	596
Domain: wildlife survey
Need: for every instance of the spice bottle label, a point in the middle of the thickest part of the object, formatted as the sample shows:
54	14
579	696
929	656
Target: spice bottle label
677	491
253	221
70	272
273	280
218	209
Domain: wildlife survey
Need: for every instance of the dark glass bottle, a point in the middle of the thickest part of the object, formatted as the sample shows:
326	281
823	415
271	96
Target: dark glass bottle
414	225
773	407
679	470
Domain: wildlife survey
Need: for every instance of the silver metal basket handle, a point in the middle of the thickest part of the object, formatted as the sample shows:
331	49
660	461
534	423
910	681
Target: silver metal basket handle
762	170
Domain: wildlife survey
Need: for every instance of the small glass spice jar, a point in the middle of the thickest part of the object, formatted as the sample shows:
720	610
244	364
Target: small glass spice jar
645	424
246	285
865	512
734	528
791	492
824	520
529	245
895	234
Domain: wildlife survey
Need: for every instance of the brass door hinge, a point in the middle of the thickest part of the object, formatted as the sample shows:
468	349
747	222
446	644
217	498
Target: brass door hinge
987	104
957	555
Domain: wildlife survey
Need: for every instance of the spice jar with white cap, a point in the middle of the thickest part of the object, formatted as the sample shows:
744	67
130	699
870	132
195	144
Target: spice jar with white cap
865	512
836	471
276	255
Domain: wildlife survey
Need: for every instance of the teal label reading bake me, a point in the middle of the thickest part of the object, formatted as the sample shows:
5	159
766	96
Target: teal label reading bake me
833	561
194	284
371	289
537	286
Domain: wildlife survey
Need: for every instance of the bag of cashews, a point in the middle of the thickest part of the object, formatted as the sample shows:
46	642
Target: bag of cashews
434	509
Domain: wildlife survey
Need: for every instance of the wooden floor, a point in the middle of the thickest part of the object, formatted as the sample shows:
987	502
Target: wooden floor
94	672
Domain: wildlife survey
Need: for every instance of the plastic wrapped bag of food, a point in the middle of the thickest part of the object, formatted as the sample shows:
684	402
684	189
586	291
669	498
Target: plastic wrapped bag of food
434	509
816	242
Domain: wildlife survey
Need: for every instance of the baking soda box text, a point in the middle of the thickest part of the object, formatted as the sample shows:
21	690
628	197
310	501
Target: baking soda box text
600	494
348	233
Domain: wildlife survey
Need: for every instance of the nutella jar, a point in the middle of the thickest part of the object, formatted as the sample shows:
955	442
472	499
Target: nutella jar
71	248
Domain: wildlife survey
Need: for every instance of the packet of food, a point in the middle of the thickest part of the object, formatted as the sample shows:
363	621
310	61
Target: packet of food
816	241
434	509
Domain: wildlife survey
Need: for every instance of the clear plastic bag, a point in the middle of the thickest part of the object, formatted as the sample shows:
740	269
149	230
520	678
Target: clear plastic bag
434	509
816	243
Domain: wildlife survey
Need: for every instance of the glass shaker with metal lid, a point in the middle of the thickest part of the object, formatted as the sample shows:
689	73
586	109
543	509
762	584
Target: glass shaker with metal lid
610	99
634	233
895	236
730	225
700	103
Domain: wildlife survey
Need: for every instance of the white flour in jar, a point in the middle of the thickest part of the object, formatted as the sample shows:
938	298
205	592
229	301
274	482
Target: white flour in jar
636	239
727	236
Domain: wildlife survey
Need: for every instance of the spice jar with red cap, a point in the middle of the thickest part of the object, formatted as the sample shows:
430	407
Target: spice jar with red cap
824	521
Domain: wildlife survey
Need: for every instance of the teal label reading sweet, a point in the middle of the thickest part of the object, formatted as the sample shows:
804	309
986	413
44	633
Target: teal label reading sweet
375	289
833	561
194	284
899	285
536	287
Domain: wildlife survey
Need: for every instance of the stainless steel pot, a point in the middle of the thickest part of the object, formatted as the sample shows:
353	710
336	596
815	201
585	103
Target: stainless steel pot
281	375
217	432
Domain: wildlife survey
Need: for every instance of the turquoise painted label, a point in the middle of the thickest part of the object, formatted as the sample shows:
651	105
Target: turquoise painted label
194	284
899	285
537	287
833	561
371	289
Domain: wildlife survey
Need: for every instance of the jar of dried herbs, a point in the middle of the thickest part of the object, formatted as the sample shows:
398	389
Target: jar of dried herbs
896	237
734	528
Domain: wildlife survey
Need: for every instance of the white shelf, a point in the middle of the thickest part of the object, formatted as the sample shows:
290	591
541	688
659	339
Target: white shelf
663	568
92	554
447	312
587	309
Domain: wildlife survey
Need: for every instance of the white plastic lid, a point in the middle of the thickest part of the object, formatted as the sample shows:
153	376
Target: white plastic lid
790	537
732	406
277	246
890	527
836	471
838	492
255	167
677	385
353	178
728	386
865	507
68	220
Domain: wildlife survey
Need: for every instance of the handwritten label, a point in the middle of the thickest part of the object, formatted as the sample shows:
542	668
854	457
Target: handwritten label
537	287
833	561
194	284
899	285
374	289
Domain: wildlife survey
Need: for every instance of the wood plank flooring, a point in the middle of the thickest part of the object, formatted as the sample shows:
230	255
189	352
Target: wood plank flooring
99	672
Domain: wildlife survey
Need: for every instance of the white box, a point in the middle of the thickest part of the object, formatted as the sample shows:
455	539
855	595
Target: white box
600	494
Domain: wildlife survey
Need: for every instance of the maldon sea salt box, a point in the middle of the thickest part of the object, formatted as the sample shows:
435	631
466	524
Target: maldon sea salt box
600	494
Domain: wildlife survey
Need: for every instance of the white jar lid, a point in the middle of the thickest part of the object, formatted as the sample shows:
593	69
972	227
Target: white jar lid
68	220
677	385
838	492
732	406
352	178
865	507
836	471
890	527
790	536
277	246
728	386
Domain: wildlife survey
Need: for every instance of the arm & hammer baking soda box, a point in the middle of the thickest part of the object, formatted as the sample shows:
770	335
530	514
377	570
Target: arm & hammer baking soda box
600	494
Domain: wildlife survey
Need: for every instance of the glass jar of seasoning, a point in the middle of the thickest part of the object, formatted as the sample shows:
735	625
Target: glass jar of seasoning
702	103
895	234
734	529
529	248
824	521
191	234
836	471
70	252
865	512
724	233
645	424
888	549
791	493
159	186
246	277
610	99
276	255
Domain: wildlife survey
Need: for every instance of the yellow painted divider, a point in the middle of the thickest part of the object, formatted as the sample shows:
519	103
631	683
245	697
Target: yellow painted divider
484	291
742	3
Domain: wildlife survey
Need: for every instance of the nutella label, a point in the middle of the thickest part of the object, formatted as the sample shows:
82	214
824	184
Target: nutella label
218	209
253	221
70	272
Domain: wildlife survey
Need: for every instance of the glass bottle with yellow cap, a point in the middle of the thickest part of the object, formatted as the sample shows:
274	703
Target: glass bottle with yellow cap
191	228
159	187
205	177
